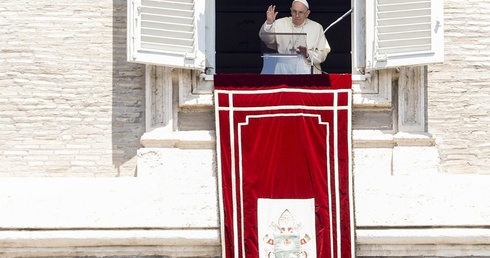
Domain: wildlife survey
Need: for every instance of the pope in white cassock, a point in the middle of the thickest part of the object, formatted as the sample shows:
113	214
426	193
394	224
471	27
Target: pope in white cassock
316	49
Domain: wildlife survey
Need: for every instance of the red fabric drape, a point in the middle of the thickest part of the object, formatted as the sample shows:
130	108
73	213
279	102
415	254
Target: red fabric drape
284	137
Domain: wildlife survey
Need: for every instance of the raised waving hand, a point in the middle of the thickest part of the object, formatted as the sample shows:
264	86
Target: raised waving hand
271	14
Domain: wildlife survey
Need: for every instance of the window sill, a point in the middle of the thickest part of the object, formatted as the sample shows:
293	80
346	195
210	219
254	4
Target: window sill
386	139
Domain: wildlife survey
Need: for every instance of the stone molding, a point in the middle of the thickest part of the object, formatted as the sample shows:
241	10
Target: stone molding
110	242
449	242
162	138
376	242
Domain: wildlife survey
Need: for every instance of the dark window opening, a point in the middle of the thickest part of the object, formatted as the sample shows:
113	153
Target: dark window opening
238	46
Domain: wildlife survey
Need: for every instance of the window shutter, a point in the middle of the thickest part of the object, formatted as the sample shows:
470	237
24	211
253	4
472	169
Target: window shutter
166	32
403	33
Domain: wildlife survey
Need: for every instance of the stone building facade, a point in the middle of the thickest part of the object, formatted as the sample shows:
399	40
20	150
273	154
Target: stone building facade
103	157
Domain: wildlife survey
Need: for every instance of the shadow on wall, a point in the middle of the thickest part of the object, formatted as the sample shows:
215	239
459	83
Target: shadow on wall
128	98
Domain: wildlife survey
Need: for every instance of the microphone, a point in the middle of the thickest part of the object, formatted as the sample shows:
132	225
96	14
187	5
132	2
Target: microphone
339	19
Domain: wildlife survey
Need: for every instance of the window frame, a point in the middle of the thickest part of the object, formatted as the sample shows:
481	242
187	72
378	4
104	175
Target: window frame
362	34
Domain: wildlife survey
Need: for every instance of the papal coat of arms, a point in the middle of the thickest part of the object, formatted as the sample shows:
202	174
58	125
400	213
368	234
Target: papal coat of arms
287	239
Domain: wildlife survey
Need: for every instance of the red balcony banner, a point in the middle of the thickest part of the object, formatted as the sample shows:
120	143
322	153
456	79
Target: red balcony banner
284	165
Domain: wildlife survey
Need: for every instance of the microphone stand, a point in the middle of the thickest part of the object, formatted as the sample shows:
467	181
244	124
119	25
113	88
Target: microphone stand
329	26
339	19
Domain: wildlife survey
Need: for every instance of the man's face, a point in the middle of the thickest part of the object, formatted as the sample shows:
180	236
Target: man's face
299	13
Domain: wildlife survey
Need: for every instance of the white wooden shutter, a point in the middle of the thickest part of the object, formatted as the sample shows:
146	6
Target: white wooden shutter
403	33
166	32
